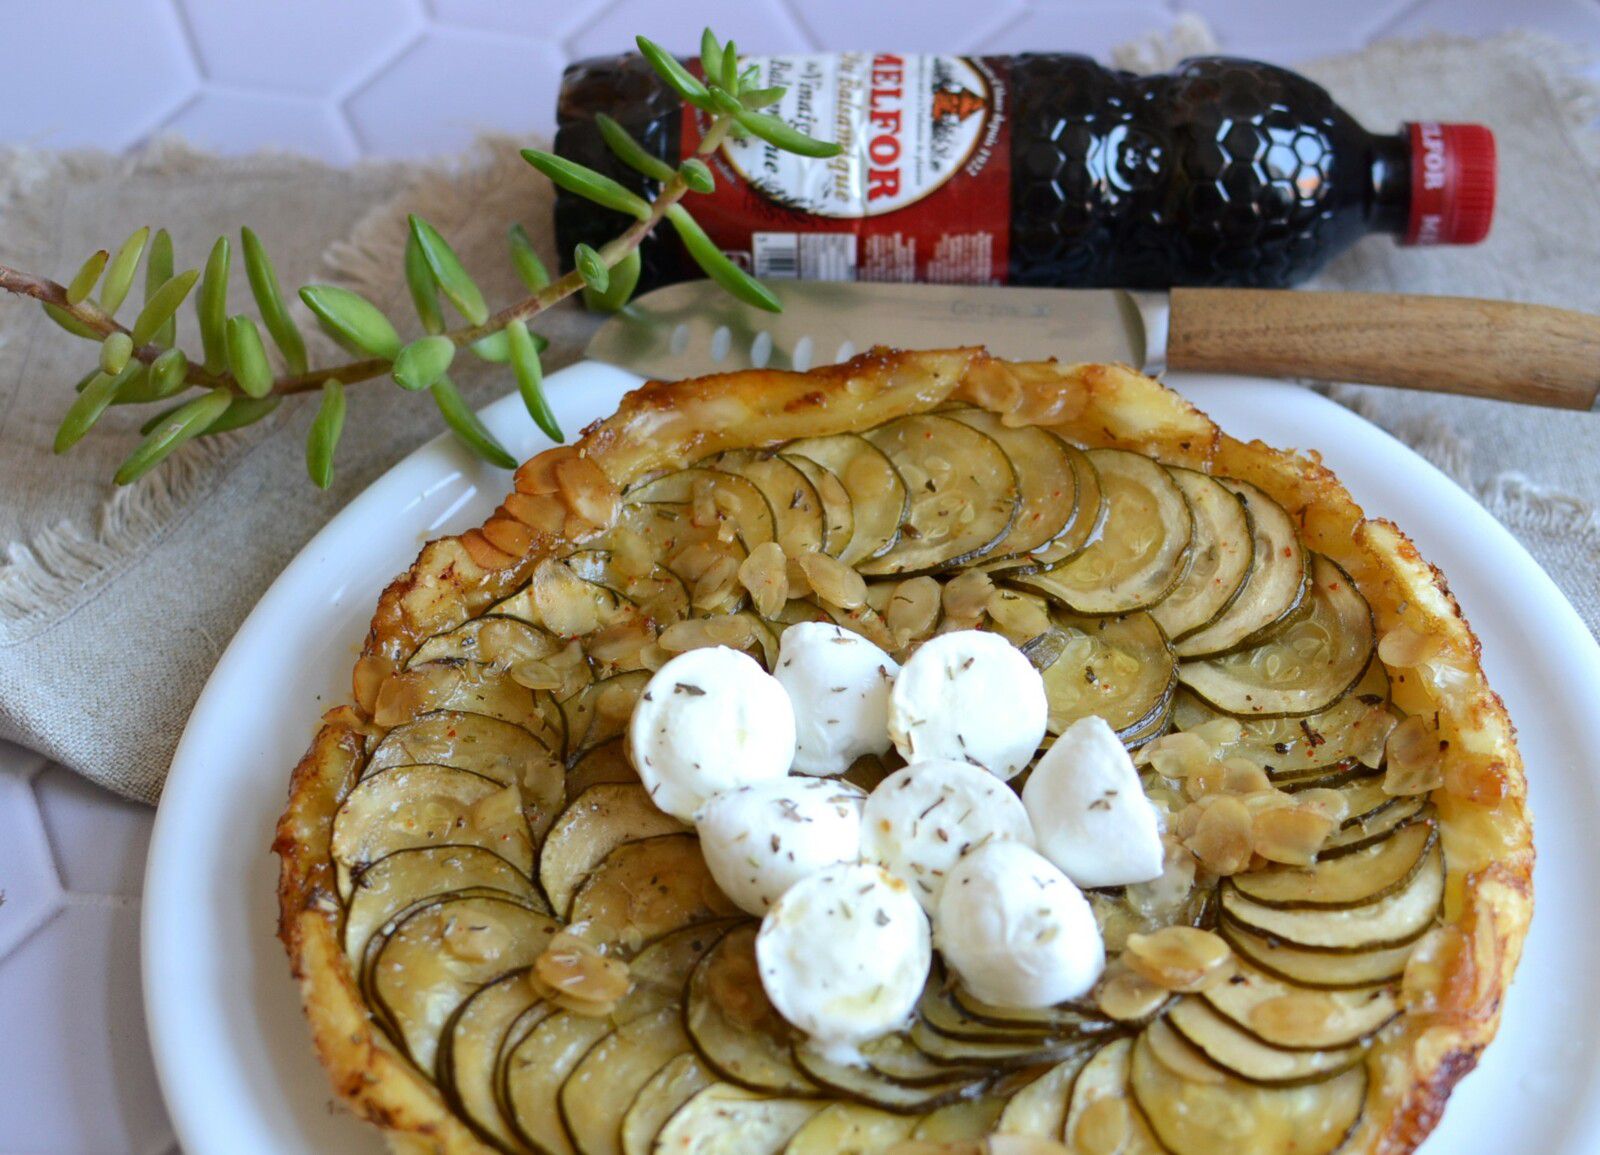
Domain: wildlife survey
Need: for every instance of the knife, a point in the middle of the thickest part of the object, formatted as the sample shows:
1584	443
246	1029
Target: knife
1531	354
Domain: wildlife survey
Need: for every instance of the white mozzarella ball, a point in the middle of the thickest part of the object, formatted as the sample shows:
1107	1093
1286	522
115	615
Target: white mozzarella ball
1090	814
844	955
760	840
1016	930
709	720
969	695
839	685
922	818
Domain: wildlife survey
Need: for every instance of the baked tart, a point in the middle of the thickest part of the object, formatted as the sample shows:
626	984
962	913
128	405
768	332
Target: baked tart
1234	853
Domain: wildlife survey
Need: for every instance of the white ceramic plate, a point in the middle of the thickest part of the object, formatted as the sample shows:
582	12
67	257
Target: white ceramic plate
234	1054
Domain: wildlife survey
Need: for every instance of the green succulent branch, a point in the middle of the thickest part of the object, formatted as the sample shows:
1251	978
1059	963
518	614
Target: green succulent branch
234	382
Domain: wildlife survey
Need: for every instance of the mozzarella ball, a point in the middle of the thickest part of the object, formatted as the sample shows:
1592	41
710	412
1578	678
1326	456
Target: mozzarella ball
1090	814
844	955
760	840
709	720
1016	930
969	695
922	818
838	683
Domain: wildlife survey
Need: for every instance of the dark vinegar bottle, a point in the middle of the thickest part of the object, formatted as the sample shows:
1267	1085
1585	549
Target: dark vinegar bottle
1039	169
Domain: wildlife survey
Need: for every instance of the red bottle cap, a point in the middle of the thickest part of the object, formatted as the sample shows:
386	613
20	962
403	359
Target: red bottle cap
1452	183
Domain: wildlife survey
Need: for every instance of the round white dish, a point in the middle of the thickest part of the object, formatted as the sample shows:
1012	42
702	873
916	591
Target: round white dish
233	1052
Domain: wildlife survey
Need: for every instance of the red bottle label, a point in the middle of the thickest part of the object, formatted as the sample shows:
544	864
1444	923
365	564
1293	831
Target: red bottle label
921	190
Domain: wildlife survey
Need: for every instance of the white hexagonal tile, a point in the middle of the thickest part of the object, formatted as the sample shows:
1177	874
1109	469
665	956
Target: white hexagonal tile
939	26
310	46
100	840
99	74
532	18
30	893
1259	27
240	122
1092	28
764	26
452	85
78	1076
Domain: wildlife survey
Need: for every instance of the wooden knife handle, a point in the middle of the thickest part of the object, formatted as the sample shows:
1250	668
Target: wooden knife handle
1531	354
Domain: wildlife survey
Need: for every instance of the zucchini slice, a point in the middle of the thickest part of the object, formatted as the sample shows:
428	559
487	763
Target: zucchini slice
659	593
939	1010
399	881
534	1070
1088	523
1068	1018
557	599
795	503
1371	828
1350	1017
961	1122
1196	1118
1222	555
496	749
470	1048
405	807
1105	1078
646	888
1364	876
594	824
667	1090
1277	583
1040	1108
751	1047
493	639
1352	729
607	762
1142	553
1243	1055
1305	667
660	972
723	498
876	490
440	954
846	1128
1318	969
599	712
962	491
473	688
1047	483
614	1070
866	1085
1397	918
996	1055
1120	668
838	513
724	1119
897	1059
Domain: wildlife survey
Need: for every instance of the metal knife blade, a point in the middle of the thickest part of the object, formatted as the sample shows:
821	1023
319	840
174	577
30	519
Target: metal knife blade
694	327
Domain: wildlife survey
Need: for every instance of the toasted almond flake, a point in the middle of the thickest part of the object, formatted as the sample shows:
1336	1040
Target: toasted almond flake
1414	756
966	596
1102	1127
1291	835
765	575
1295	1014
1127	996
1223	836
718	587
1405	648
912	610
833	581
1179	958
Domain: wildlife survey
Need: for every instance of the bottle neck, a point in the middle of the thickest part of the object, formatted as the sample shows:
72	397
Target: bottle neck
1390	194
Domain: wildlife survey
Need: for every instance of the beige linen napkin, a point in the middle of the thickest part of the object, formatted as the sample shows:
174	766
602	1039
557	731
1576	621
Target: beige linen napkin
114	604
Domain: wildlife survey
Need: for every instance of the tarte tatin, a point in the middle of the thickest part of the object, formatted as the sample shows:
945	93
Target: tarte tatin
502	945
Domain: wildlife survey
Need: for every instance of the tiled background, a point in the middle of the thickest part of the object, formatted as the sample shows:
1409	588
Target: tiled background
346	79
